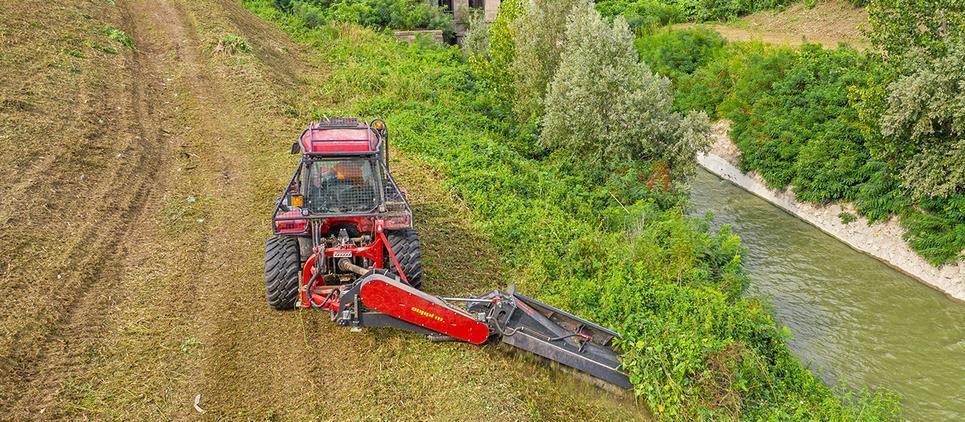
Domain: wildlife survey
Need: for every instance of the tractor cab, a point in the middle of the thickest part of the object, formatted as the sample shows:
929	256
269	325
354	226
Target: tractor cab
346	185
343	179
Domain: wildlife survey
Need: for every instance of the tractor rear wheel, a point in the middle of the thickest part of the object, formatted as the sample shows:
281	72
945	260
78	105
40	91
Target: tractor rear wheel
282	270
405	246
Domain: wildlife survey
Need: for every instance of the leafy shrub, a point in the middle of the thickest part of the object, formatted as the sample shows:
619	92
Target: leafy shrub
643	16
732	78
476	41
381	14
610	111
493	67
540	33
922	27
694	346
119	36
924	118
881	195
724	10
232	44
800	130
675	54
937	229
847	217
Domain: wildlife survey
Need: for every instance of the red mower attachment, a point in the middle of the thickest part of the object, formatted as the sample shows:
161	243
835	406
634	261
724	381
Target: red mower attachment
344	243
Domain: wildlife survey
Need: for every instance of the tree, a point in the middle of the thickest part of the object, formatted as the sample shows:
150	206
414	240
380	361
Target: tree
606	108
918	106
494	66
476	42
539	37
925	114
900	26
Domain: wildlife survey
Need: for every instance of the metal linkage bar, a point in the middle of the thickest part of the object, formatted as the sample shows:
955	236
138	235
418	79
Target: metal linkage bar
514	319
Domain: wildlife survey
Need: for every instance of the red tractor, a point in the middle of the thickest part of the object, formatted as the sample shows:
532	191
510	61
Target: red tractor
344	243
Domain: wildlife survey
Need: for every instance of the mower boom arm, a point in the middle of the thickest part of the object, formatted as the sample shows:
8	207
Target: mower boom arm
376	300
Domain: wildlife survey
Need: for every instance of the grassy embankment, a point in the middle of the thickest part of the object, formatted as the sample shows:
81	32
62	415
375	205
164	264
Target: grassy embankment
694	345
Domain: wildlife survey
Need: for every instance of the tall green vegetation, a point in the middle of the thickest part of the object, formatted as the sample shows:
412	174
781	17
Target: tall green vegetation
646	15
676	54
608	110
476	40
540	35
614	251
382	14
922	122
882	130
916	116
492	65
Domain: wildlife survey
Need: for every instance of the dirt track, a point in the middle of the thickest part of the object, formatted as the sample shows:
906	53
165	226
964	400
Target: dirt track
132	250
829	23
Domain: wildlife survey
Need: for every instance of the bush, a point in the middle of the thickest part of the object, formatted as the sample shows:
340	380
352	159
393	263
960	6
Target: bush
540	33
381	14
724	10
881	195
119	36
675	54
937	229
232	44
732	78
924	118
643	16
800	129
609	111
494	66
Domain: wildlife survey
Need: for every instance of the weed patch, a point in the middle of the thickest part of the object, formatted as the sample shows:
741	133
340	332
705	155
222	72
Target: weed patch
119	36
232	44
103	48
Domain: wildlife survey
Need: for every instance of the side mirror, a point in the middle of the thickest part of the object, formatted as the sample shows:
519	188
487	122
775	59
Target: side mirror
295	147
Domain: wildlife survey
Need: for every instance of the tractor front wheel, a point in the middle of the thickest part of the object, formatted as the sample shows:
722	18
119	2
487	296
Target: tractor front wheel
405	246
282	270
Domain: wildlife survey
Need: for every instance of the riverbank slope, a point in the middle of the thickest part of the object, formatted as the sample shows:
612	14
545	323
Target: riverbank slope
882	241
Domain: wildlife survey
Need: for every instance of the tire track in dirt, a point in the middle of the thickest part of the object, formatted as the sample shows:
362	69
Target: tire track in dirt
134	187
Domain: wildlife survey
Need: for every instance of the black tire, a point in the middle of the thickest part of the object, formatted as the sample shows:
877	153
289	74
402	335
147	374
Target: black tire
405	246
282	270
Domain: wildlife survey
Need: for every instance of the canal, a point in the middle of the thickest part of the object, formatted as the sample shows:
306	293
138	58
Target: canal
853	318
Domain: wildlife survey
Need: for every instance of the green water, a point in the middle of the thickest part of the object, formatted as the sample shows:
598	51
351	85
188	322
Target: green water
853	318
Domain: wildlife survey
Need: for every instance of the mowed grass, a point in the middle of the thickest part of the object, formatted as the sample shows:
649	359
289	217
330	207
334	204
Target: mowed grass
180	312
